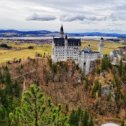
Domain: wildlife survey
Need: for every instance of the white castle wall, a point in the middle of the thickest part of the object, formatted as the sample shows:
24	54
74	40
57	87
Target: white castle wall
86	59
62	53
83	59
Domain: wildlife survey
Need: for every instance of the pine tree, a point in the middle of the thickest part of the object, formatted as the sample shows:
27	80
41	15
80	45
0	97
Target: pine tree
105	63
96	89
80	118
122	123
36	110
9	95
85	118
120	69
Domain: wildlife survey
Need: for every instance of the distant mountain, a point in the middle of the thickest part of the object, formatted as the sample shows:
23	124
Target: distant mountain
15	33
45	33
100	34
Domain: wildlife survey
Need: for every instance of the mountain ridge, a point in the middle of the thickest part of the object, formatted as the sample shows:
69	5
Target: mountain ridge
42	33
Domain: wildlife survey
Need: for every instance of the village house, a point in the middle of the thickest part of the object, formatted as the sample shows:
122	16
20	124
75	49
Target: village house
117	55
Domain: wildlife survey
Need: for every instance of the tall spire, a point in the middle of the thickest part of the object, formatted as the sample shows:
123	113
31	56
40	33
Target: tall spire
66	37
62	31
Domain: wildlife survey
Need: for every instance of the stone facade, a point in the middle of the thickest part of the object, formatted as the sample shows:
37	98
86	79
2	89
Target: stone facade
117	55
64	48
86	58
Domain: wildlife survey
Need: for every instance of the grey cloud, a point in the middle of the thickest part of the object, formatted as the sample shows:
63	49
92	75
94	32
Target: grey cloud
36	17
120	7
100	12
70	18
78	5
119	16
92	8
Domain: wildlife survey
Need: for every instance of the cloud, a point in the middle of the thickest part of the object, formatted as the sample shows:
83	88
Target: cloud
74	14
119	16
36	17
71	18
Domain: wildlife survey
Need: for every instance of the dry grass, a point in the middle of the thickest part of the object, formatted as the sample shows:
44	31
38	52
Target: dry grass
109	46
23	52
7	55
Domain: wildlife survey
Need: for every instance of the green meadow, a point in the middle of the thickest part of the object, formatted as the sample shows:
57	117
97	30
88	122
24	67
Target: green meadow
108	46
21	50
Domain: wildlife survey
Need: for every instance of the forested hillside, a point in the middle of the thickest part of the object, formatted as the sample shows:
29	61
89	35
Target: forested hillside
89	100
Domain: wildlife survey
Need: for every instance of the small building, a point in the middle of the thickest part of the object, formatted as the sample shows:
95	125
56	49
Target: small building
117	55
123	41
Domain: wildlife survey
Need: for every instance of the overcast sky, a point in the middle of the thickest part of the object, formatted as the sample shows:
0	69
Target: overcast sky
75	15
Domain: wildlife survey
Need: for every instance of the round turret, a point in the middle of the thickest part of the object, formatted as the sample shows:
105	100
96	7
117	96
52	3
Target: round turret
101	46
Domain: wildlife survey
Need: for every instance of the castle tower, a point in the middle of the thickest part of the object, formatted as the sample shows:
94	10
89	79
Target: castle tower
66	44
53	50
66	40
62	31
101	46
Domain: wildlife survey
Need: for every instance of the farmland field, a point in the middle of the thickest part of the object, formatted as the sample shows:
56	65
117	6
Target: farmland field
21	50
108	46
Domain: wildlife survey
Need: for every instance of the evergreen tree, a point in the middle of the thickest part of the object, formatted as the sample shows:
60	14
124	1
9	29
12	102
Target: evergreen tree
122	123
80	118
96	89
105	63
90	122
35	110
9	94
120	69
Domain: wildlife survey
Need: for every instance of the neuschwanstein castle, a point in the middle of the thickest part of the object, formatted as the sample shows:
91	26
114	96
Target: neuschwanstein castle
64	48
